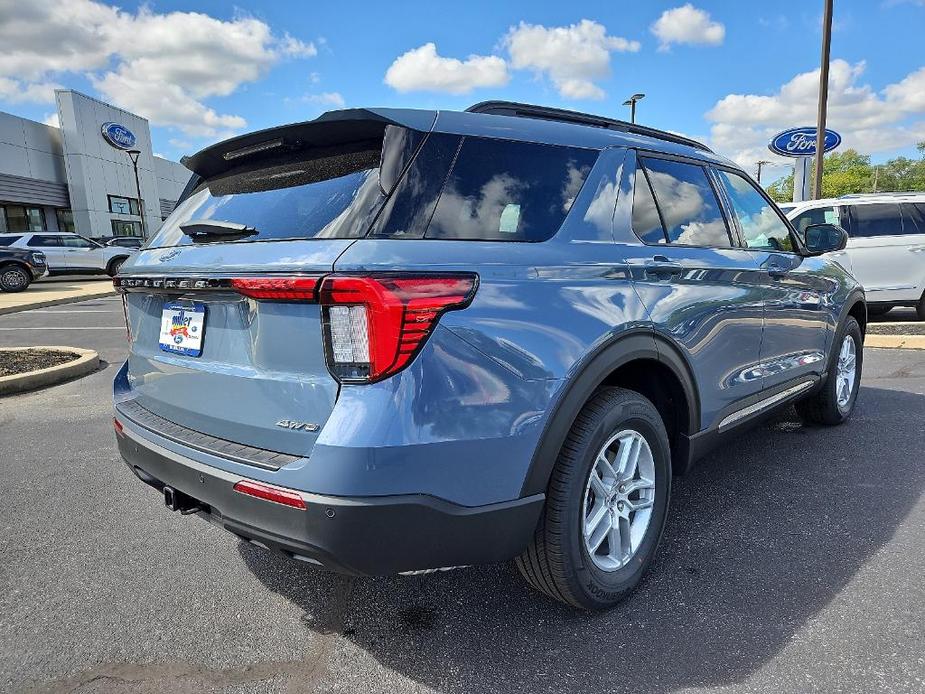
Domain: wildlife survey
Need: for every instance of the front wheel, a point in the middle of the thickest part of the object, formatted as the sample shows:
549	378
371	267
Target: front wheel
606	504
114	266
834	403
13	278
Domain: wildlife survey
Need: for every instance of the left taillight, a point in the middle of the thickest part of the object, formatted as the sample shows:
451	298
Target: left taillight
374	325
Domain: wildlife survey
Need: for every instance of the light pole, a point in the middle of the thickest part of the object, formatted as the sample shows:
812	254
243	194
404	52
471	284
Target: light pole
823	96
631	102
133	154
761	163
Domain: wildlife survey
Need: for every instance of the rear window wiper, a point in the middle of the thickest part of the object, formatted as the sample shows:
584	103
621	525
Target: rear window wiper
215	229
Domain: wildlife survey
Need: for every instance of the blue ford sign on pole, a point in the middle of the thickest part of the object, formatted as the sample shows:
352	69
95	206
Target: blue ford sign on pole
800	143
118	136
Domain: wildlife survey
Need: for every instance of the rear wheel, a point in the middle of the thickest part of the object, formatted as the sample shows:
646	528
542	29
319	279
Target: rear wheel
835	402
606	504
14	278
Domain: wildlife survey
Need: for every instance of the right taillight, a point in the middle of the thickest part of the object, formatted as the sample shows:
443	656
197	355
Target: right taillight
375	324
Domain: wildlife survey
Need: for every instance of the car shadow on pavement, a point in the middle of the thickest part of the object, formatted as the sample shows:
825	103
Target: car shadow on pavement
762	535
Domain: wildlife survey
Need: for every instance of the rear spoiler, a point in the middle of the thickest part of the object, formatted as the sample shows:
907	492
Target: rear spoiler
333	129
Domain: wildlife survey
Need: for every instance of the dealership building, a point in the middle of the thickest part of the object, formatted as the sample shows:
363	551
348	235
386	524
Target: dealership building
80	175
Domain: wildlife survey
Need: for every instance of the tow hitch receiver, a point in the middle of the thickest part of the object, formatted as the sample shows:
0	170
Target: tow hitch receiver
178	501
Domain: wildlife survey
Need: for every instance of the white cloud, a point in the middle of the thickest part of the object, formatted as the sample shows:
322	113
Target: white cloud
422	69
334	99
17	91
687	24
161	66
52	120
573	56
868	121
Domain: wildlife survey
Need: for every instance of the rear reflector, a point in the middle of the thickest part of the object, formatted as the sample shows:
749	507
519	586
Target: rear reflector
117	425
277	288
375	325
267	492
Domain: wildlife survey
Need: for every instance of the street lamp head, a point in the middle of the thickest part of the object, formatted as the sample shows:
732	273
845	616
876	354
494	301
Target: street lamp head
133	155
637	97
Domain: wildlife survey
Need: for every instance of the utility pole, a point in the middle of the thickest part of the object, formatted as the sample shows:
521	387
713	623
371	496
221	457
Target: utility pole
823	96
761	163
133	154
631	102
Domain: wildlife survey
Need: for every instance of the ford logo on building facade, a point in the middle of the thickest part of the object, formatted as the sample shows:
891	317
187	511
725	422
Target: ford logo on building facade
118	136
801	142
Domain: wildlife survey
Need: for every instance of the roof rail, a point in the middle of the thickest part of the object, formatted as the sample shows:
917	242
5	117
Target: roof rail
885	194
513	108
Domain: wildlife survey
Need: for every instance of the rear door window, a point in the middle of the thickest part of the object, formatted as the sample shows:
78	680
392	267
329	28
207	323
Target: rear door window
762	226
646	223
500	190
913	218
39	241
876	219
688	204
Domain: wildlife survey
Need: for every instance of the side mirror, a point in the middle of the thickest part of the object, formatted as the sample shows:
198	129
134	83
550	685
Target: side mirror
824	238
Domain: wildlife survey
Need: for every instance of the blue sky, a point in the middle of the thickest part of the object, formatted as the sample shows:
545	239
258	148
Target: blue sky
730	73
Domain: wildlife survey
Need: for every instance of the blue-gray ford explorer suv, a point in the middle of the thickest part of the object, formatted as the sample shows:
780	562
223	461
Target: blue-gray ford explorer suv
390	341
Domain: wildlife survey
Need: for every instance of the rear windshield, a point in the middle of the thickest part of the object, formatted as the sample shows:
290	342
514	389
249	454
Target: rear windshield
413	186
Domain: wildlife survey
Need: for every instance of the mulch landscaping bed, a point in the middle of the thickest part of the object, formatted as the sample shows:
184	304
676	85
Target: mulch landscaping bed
903	329
25	360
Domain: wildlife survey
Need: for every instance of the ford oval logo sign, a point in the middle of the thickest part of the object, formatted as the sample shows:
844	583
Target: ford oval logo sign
801	142
118	136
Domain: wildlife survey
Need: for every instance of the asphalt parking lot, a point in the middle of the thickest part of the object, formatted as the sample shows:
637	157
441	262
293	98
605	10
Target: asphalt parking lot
793	562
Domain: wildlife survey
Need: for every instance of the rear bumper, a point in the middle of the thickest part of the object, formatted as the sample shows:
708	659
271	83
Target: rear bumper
365	536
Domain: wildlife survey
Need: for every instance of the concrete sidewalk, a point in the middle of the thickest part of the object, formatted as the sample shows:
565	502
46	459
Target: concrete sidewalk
40	294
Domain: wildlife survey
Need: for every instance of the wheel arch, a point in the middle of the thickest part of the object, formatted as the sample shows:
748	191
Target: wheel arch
642	361
115	259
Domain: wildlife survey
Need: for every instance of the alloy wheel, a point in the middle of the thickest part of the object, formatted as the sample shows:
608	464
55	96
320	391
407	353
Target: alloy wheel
618	500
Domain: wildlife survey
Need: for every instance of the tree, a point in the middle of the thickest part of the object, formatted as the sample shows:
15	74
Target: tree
851	172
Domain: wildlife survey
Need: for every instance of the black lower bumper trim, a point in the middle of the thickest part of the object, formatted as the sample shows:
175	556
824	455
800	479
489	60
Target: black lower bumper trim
355	535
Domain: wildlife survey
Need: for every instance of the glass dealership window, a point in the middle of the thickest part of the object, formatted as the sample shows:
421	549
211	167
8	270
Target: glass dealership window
65	220
122	205
20	218
123	228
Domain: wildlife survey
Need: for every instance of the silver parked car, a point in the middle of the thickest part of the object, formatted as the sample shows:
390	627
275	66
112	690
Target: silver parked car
71	254
886	244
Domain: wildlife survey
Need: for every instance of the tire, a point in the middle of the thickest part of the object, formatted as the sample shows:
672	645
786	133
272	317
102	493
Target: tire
825	407
920	308
558	561
113	268
14	278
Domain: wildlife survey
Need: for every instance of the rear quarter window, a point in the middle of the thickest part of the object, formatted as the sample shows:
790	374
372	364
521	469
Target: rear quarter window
500	190
9	240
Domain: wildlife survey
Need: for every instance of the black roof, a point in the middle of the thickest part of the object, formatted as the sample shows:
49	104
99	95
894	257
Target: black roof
364	127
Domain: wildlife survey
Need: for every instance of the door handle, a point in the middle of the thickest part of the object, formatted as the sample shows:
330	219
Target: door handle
660	266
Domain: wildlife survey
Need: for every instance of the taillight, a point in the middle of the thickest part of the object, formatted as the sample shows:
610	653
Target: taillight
276	288
374	325
268	492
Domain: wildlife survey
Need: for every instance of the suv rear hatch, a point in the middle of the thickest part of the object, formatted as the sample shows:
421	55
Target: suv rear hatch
225	331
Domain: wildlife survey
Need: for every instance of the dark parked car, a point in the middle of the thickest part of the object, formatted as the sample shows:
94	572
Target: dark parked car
20	267
395	341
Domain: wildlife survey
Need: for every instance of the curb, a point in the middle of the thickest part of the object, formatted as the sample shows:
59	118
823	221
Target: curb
895	341
87	362
6	310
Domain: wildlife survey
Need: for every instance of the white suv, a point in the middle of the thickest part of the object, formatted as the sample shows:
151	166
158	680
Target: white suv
70	254
886	244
